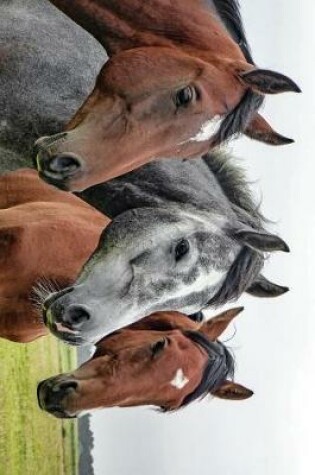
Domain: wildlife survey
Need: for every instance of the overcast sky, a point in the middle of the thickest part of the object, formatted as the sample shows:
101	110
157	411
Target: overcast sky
272	433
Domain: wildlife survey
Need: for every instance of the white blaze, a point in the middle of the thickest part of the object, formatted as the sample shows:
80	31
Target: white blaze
179	380
208	129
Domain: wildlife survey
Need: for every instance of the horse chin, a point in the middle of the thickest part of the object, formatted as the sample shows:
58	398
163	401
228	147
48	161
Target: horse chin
69	338
58	182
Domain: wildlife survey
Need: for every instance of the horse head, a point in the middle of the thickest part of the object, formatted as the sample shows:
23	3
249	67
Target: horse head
150	260
157	97
165	360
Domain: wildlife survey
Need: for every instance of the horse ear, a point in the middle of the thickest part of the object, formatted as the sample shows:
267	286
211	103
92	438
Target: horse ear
261	287
233	391
214	327
259	129
265	81
260	241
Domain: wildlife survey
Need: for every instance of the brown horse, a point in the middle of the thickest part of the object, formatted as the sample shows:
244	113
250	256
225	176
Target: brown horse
165	360
45	236
180	80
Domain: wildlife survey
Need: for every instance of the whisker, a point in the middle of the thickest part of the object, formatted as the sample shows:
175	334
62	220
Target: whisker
41	291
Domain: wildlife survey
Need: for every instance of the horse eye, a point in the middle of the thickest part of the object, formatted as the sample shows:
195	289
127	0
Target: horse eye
181	249
158	347
185	96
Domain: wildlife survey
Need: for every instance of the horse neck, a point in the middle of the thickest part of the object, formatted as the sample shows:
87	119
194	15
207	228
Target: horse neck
164	183
189	24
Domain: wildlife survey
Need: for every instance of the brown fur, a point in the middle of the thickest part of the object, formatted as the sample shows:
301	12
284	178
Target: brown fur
44	234
135	366
156	48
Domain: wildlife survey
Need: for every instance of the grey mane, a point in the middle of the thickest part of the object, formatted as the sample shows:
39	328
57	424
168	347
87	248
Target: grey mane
206	183
233	182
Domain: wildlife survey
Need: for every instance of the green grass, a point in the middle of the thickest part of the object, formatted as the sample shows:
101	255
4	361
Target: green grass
31	441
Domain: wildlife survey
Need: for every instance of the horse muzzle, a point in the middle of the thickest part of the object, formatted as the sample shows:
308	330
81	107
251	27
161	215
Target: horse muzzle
65	321
56	168
51	396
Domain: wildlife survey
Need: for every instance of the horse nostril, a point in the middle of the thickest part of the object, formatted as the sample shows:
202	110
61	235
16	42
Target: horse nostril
66	386
64	163
77	315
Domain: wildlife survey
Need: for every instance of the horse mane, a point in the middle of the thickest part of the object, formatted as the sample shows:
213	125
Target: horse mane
238	119
229	12
249	262
233	182
217	370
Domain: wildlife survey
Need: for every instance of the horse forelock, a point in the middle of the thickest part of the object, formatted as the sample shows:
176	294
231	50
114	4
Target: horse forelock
236	121
219	367
240	276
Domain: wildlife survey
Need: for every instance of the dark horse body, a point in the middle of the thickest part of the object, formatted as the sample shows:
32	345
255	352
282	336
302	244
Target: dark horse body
44	76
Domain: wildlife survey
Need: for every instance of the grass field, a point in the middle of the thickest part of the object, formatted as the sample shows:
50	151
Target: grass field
32	442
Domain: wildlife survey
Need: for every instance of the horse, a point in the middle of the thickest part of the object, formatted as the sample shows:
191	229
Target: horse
165	360
33	217
45	237
185	235
179	81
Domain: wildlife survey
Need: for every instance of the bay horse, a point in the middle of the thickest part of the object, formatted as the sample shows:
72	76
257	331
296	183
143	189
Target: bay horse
180	80
45	237
185	235
165	360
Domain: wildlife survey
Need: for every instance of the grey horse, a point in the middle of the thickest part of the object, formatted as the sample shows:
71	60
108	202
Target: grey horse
185	235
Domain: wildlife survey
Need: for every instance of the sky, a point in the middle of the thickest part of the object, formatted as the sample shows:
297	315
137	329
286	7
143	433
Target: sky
271	433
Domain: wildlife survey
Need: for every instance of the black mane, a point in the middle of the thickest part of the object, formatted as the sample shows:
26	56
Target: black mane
220	366
229	12
238	119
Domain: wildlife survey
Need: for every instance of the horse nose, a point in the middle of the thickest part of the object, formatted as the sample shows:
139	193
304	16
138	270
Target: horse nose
76	316
64	164
50	396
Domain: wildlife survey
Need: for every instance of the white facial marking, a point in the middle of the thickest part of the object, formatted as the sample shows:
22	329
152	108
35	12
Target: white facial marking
179	381
208	129
204	280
